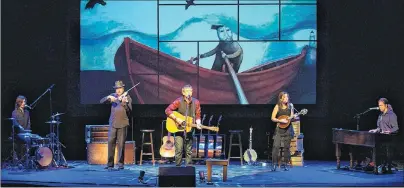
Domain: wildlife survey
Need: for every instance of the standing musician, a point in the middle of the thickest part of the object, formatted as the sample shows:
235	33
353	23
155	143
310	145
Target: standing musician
386	124
118	122
182	105
387	121
282	137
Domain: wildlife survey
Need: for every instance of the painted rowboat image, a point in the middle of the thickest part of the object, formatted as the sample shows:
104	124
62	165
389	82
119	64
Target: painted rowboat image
162	76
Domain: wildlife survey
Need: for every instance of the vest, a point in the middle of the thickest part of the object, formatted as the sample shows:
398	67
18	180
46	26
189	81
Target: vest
183	108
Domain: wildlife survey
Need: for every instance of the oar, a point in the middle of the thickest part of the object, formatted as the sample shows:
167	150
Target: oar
239	89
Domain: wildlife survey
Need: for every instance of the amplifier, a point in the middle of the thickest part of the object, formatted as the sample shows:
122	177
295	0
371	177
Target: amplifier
97	153
96	133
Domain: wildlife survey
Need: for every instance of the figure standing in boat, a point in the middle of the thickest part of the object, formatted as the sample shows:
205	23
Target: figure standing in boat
227	48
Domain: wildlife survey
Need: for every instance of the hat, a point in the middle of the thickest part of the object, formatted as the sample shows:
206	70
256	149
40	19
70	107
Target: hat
119	84
215	27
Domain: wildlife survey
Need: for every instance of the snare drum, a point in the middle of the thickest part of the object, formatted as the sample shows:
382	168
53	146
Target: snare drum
27	137
43	156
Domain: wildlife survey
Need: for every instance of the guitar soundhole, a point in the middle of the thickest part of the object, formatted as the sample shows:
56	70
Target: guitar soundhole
169	144
180	127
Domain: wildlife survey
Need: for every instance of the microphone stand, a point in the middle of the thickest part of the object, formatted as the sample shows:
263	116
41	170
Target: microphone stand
358	116
185	130
33	104
53	137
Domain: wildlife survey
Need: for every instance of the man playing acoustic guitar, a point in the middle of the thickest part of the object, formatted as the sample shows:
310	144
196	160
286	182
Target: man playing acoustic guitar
190	108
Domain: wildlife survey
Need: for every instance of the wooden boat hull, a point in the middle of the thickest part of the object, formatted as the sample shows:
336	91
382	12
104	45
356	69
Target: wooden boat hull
162	77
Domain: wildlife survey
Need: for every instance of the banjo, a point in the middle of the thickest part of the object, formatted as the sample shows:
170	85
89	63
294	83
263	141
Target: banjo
250	156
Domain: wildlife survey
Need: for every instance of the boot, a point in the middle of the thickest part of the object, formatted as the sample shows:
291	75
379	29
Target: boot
274	167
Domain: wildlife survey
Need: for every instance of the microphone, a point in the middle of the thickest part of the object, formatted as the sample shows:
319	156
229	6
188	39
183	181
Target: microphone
374	108
51	87
26	106
293	108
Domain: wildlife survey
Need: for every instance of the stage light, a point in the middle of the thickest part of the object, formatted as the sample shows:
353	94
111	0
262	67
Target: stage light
201	176
141	175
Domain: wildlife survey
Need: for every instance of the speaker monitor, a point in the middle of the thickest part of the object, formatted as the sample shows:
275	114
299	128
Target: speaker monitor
177	177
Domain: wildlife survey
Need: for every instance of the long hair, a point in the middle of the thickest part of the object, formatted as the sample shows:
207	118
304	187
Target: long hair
19	100
281	94
386	102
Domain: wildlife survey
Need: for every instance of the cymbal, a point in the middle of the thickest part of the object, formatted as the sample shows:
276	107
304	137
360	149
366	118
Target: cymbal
53	122
57	114
10	118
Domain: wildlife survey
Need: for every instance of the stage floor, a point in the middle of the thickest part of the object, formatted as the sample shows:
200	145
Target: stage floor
314	173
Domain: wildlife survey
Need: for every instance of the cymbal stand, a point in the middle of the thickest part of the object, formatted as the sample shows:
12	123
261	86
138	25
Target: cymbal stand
13	155
52	139
58	154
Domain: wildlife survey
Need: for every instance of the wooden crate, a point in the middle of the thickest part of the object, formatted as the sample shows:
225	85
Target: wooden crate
97	153
292	147
296	127
297	160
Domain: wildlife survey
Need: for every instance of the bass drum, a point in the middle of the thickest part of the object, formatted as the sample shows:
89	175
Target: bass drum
43	156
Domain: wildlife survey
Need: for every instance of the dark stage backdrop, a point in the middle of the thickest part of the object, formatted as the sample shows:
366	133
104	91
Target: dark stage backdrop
359	60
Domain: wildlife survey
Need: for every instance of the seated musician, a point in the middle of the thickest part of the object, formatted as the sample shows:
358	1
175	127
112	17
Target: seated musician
21	115
21	121
387	121
182	105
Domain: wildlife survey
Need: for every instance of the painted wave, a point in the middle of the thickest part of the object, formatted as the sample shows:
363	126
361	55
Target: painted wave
101	37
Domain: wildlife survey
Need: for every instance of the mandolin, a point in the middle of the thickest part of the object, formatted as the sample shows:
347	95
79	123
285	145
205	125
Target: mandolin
285	125
173	127
250	156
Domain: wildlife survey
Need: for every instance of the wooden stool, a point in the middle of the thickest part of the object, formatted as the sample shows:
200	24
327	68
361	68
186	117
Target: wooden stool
221	162
239	144
147	143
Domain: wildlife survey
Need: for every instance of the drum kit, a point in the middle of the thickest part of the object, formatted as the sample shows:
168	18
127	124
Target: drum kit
39	152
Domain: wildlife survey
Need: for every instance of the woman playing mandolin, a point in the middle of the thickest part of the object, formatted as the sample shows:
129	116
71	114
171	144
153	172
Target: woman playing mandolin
281	114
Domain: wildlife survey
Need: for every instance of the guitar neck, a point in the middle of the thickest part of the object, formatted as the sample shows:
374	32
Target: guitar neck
203	127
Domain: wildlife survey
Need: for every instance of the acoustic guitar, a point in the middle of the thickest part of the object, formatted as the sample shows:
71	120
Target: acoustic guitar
288	118
167	149
250	156
173	127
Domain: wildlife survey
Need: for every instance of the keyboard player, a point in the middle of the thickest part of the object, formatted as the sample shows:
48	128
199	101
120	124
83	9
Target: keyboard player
380	139
387	121
386	124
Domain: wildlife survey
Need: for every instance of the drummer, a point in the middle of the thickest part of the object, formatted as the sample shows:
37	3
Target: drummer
21	122
21	115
